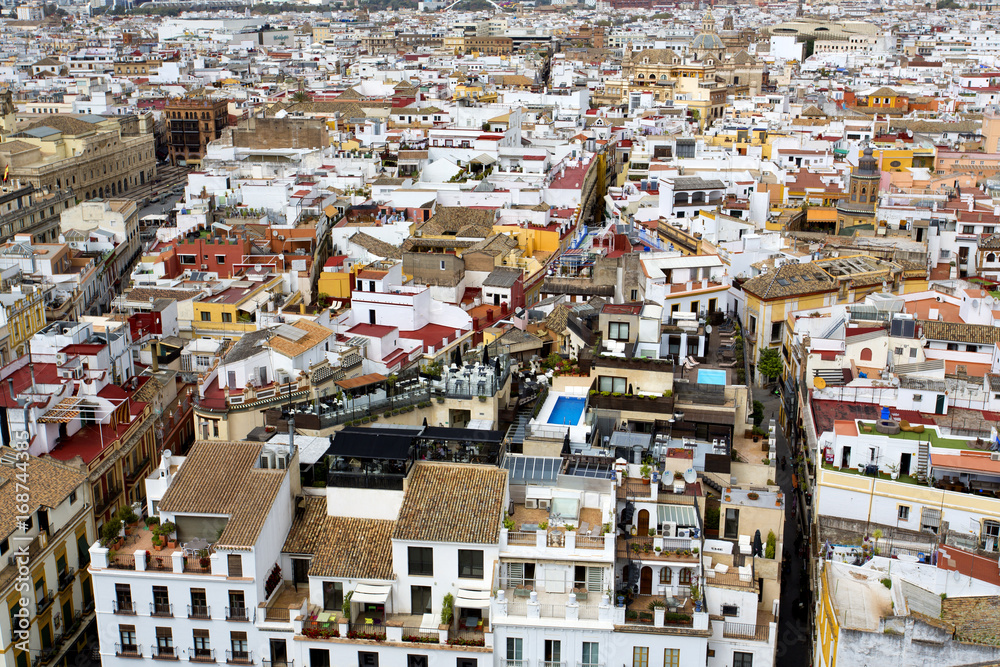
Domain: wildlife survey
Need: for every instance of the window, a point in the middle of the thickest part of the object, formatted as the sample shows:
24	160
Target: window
199	603
898	351
220	259
732	525
126	634
123	598
612	384
991	535
238	642
913	353
776	331
930	519
227	317
591	655
741	659
206	316
553	652
367	659
671	657
470	564
164	642
903	513
515	648
188	259
618	330
640	656
72	499
420	599
953	347
416	661
730	610
202	646
333	595
666	574
421	561
684	577
235	565
971	348
634	295
753	324
442	265
161	601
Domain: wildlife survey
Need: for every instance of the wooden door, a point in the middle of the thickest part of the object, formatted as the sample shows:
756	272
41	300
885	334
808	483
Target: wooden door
646	581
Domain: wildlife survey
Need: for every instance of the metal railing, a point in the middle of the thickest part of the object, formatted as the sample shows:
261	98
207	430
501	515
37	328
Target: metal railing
160	563
277	663
123	607
365	630
106	502
122	562
45	602
278	614
201	655
749	631
239	614
128	650
521	538
199	611
66	578
161	609
418	635
239	657
165	653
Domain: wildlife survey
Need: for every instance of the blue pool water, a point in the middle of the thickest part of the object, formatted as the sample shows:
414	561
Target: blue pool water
567	410
711	376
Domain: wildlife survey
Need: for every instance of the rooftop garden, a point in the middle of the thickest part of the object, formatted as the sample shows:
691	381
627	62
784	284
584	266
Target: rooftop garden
919	433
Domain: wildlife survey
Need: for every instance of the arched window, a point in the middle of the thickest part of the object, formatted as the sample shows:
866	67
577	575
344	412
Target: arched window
641	76
685	577
866	354
991	257
665	575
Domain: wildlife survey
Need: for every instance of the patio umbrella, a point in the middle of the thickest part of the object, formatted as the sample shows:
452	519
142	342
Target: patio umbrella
456	357
486	354
757	548
496	368
425	422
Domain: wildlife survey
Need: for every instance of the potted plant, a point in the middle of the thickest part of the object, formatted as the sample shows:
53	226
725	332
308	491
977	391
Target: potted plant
652	532
645	470
157	542
753	495
696	596
893	470
203	559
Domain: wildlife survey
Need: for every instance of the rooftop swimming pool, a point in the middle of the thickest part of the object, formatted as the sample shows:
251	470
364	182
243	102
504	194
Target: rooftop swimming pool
711	376
567	410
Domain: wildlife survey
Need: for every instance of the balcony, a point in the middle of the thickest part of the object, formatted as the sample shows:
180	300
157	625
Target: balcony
279	663
102	505
128	650
123	607
199	611
136	471
747	631
239	657
165	653
366	631
201	654
635	403
122	562
45	602
239	614
66	578
162	609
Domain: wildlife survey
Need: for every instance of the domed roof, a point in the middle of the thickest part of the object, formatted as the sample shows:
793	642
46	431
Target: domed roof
707	41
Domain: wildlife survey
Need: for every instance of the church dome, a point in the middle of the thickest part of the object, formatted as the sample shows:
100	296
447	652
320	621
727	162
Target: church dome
707	41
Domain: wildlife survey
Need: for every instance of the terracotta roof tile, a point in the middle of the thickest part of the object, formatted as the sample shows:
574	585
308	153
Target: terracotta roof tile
960	332
353	548
50	482
790	279
452	503
222	478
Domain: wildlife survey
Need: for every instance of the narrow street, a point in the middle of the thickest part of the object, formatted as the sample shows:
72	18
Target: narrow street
794	627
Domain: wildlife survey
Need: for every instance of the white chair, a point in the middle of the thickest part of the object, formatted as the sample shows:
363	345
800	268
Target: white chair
745	573
721	568
745	546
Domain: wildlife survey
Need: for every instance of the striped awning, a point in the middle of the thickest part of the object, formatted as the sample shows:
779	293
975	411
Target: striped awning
63	412
682	515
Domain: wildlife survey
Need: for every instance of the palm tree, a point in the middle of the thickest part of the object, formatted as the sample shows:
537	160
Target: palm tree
301	96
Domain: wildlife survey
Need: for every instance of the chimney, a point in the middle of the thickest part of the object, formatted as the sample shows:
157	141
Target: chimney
302	309
972	203
156	353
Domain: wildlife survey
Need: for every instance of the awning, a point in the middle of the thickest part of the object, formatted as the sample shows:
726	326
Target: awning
371	593
254	302
682	515
360	381
469	599
483	159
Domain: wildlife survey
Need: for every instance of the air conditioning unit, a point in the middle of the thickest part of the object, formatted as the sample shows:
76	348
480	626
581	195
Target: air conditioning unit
683	532
669	528
204	267
530	503
544	503
282	460
60	358
994	456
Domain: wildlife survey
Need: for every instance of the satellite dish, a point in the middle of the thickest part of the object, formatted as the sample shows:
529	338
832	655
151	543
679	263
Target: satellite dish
708	328
690	476
819	383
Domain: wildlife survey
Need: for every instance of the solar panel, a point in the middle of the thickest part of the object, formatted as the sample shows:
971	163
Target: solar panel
289	332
